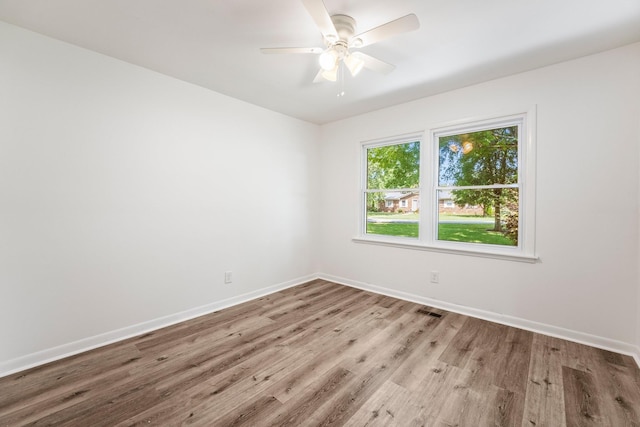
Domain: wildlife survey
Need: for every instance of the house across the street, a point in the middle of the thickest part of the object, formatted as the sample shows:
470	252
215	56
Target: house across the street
400	202
403	202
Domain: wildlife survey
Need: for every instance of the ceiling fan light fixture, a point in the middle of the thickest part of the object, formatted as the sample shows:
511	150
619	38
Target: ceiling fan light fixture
328	59
331	75
339	35
354	64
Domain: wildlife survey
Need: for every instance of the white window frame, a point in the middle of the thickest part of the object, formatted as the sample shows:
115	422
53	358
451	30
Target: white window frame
429	164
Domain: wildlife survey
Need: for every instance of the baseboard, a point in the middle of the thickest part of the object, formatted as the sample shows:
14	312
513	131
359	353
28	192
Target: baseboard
541	328
90	343
636	355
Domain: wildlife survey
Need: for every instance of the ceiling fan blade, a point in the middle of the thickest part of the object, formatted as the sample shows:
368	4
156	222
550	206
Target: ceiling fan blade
270	50
401	25
374	64
320	15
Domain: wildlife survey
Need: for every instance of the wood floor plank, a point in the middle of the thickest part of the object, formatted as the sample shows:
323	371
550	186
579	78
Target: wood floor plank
157	341
61	399
50	385
342	406
298	411
322	326
374	370
514	355
498	372
582	405
107	408
390	405
470	336
307	305
485	376
206	406
613	375
330	350
405	333
205	363
249	414
222	391
421	363
436	389
544	400
323	354
462	403
507	409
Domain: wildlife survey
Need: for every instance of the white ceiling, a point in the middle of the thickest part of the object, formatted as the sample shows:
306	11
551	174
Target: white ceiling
215	43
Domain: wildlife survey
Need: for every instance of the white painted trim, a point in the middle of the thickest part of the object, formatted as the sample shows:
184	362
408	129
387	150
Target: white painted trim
454	248
65	350
526	120
70	349
541	328
636	355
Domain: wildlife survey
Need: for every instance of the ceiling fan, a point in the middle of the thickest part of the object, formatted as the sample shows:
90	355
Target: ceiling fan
339	36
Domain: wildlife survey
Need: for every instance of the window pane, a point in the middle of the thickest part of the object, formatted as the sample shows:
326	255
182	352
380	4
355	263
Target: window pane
479	158
393	166
479	216
393	213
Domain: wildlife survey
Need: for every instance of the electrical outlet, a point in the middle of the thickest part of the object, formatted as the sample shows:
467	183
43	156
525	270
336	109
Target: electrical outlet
228	277
435	277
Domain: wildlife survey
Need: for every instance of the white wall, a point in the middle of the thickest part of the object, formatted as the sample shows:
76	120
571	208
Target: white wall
126	194
586	284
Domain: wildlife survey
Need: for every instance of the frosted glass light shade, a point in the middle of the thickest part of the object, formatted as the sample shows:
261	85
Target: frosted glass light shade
331	75
354	64
328	59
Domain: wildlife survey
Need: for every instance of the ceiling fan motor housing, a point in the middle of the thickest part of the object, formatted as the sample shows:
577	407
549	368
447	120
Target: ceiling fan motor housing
345	28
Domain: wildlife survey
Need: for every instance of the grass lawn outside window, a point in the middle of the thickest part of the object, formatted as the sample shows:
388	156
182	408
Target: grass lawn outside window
457	228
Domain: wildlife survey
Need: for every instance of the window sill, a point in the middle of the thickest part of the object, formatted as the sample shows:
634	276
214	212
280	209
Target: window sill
403	243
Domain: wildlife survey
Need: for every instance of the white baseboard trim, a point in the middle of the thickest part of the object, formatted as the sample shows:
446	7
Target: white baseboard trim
60	352
636	355
90	343
541	328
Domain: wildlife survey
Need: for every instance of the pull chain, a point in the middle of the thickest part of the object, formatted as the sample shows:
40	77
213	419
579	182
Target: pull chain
341	79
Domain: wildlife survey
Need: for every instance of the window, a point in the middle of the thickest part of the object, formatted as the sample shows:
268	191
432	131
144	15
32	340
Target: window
471	187
392	172
479	166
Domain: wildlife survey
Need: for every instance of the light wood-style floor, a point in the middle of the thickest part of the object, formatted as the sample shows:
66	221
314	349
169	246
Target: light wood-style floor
323	354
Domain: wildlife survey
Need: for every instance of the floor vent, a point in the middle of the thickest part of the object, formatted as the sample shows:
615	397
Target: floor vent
428	313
